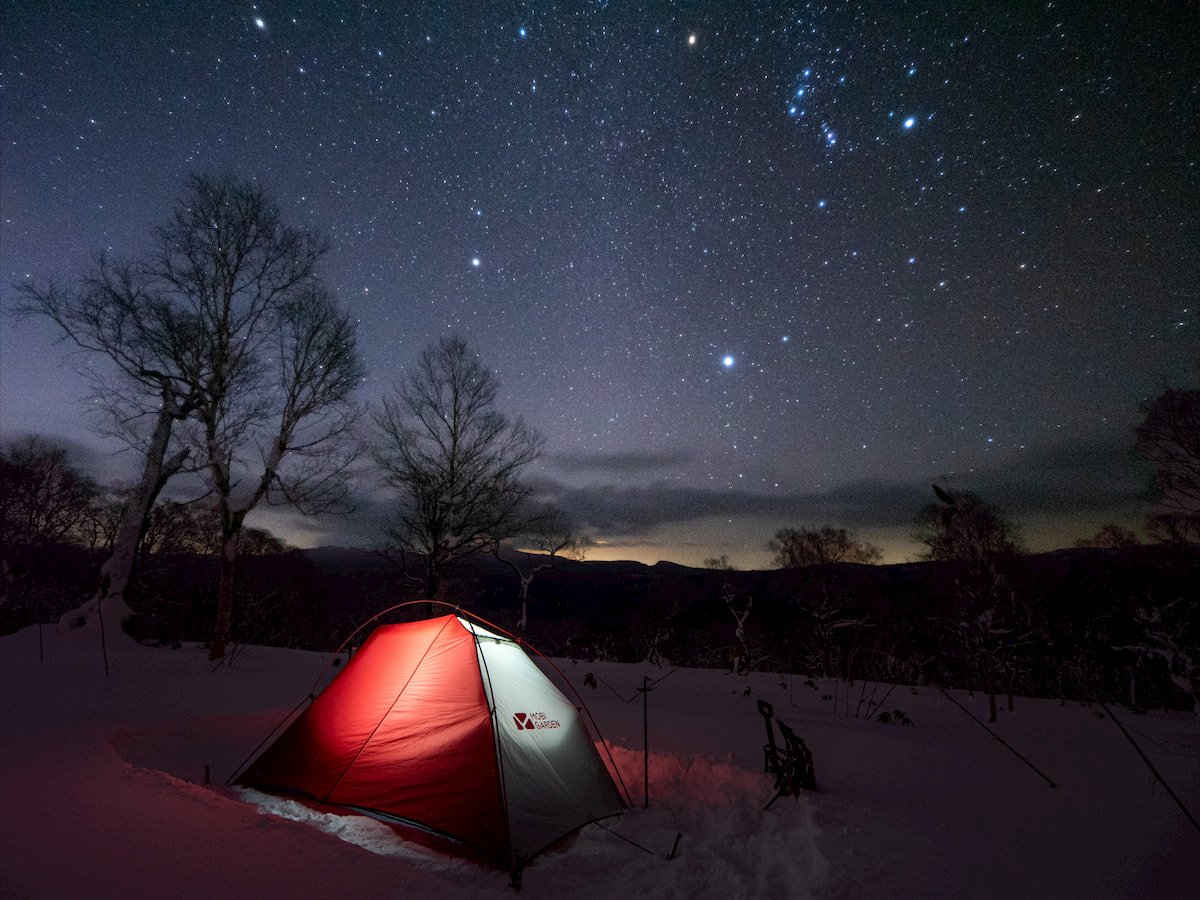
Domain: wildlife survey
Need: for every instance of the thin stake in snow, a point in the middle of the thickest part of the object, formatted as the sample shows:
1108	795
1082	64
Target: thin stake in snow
675	846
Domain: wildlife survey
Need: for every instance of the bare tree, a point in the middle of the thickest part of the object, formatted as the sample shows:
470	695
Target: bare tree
43	499
549	538
224	322
454	463
1110	536
825	598
739	660
103	520
961	528
799	548
276	418
1169	438
119	311
1178	529
177	528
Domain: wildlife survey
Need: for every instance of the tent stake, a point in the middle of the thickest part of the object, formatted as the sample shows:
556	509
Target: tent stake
675	847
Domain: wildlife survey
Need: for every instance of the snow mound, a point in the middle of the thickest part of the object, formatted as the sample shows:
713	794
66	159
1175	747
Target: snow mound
108	765
728	846
714	808
362	831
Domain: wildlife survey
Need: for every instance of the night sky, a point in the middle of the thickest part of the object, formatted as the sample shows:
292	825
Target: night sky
745	268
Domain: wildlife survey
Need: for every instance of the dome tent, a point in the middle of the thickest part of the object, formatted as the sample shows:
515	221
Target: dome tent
450	728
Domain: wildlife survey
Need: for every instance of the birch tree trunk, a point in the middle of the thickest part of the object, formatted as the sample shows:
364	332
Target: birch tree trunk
117	571
224	598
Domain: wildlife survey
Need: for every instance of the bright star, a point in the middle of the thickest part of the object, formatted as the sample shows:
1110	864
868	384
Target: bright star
727	362
910	122
475	261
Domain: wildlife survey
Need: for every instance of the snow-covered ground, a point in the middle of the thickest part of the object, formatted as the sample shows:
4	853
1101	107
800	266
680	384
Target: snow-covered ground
104	794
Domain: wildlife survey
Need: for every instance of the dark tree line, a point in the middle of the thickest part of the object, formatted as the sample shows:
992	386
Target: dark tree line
1091	623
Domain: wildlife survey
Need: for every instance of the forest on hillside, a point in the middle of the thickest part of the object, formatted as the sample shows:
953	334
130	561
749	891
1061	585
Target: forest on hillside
1109	624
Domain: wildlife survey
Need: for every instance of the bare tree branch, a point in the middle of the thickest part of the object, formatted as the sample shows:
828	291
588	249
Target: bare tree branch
453	461
223	329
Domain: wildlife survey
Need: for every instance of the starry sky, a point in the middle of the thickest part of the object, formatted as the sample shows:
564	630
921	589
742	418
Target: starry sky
745	266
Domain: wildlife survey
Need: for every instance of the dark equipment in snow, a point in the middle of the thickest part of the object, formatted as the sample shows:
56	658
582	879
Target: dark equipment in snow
791	764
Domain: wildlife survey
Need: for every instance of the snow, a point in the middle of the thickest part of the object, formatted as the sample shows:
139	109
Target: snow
103	780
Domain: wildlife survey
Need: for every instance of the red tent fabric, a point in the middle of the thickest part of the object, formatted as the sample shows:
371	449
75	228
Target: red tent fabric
444	725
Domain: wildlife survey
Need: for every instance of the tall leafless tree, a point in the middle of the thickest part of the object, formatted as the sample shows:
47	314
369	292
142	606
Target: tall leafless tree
222	326
118	311
454	463
963	529
548	538
43	498
1169	438
274	409
282	433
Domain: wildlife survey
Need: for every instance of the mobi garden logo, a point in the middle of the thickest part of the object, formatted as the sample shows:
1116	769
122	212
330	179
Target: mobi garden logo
534	721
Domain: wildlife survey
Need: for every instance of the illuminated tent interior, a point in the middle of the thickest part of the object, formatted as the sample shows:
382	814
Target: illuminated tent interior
443	726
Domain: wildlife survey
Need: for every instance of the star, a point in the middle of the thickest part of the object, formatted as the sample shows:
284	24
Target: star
770	193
